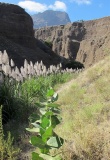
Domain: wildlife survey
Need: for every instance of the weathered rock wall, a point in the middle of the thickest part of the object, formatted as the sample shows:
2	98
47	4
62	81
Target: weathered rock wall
86	42
17	37
16	25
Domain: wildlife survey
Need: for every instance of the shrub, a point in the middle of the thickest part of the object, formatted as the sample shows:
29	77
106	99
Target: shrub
44	123
74	65
7	150
49	44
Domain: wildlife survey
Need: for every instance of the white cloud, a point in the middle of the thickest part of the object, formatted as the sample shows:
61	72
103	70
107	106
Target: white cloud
58	5
82	1
33	6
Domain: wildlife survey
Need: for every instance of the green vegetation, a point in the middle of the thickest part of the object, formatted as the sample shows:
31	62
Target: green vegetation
85	111
44	122
18	98
48	43
7	150
74	65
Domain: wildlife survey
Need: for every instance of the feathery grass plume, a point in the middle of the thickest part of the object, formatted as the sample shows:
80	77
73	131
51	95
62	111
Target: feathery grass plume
8	70
31	64
25	69
39	66
17	70
19	78
50	68
37	63
3	68
60	65
5	58
38	72
41	62
12	63
29	69
13	74
22	70
25	63
36	67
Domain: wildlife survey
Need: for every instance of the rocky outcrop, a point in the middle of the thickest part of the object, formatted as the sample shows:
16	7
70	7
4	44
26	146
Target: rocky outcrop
86	41
17	37
16	25
50	18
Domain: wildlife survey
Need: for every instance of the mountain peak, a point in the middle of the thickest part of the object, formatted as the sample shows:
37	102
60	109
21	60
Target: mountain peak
50	18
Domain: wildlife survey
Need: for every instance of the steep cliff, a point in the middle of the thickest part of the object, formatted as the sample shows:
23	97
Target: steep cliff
86	41
17	37
50	18
16	25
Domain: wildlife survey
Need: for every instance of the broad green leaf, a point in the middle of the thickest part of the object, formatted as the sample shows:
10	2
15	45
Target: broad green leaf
37	142
45	122
52	142
48	133
42	131
54	121
50	113
33	130
55	142
53	105
48	157
60	141
54	97
45	150
50	92
40	105
34	117
42	111
55	110
36	125
35	156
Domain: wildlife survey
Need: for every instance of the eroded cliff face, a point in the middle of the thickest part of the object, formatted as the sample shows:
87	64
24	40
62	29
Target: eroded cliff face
86	42
17	37
16	25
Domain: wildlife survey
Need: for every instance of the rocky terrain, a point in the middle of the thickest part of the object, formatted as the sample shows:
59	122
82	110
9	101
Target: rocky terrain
87	41
17	37
50	18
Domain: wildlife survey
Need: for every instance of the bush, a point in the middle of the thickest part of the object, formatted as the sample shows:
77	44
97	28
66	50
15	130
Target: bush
74	65
49	44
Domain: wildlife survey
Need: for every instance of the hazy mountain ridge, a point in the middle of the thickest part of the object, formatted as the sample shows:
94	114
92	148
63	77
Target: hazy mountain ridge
50	18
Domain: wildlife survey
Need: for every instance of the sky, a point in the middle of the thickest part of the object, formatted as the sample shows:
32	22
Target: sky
76	9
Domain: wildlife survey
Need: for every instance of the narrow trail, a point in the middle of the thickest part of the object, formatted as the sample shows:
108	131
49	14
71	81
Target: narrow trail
68	84
65	85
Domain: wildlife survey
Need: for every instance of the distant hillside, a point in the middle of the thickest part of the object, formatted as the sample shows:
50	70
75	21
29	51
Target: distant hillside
50	18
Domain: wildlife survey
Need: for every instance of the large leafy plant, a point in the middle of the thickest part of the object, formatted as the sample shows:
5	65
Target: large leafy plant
43	124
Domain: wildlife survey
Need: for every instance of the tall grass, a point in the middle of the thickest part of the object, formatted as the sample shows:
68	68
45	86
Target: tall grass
85	111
